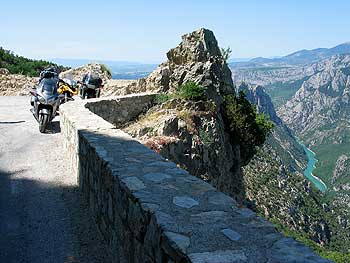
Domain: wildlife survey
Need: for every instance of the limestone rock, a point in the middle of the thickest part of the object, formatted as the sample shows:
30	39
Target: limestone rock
341	172
79	72
198	46
197	58
322	99
15	84
192	134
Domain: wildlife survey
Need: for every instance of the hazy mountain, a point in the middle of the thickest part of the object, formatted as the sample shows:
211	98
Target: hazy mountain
282	77
296	58
231	60
308	56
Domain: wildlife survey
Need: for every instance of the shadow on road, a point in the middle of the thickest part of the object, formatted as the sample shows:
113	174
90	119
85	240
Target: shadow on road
11	122
54	127
42	222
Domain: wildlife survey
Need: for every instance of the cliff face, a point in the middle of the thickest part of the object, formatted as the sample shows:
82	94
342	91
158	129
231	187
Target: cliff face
193	134
257	95
319	114
282	141
322	99
273	179
280	81
341	173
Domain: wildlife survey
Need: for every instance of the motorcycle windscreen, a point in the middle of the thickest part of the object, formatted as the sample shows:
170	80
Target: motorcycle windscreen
93	79
48	87
48	90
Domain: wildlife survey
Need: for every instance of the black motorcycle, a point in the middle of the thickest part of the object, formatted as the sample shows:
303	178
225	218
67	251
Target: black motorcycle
90	86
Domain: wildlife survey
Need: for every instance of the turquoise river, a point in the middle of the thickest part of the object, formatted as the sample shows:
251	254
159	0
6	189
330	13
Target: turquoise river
310	167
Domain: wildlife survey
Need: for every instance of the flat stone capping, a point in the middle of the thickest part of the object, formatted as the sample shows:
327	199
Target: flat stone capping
119	110
149	210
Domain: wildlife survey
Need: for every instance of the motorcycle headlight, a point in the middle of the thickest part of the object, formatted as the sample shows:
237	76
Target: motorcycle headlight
42	100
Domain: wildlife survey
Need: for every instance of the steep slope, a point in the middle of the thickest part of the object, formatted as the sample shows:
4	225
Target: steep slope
319	114
276	188
281	140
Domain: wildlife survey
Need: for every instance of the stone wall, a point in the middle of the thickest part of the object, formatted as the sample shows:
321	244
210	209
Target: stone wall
118	111
149	210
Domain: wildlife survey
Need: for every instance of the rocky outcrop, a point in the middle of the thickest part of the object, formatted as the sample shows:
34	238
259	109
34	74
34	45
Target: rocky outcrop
15	84
118	87
193	134
79	72
197	58
258	96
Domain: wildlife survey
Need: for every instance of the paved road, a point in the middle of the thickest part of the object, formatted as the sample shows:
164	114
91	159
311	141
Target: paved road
41	216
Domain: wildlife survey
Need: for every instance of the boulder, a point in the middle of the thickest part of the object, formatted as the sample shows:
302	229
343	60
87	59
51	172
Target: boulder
4	71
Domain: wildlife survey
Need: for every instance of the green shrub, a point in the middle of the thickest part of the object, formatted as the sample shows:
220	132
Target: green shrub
206	139
247	127
163	97
190	91
336	256
106	70
226	53
20	65
264	124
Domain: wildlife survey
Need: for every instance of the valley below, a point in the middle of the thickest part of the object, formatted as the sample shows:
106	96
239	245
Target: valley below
312	98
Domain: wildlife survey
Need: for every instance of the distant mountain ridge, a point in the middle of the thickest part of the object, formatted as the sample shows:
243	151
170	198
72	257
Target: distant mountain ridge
296	58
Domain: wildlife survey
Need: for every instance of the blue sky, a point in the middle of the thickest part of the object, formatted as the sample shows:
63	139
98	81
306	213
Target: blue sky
145	30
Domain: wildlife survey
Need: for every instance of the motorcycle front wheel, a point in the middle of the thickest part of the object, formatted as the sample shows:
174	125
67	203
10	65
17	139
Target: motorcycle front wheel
43	121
